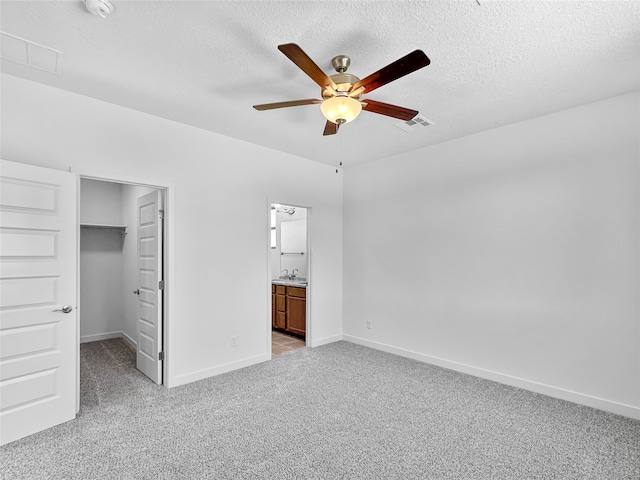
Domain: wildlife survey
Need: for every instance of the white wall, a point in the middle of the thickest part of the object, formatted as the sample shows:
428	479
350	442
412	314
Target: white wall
510	254
220	283
101	309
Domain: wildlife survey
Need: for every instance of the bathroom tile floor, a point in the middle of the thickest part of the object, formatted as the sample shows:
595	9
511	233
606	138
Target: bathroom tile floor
281	343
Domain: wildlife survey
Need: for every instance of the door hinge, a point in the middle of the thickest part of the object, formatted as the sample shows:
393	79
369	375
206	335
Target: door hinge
161	213
161	285
161	356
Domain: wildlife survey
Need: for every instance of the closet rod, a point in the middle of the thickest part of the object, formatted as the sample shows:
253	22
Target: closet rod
117	228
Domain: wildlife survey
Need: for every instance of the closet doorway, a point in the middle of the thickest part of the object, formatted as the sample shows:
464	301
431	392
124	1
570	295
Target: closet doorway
122	257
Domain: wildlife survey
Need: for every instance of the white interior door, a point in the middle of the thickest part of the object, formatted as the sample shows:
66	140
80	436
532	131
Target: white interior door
149	322
38	326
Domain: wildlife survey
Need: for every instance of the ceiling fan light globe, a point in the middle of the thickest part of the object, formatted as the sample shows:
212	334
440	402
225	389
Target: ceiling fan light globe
340	109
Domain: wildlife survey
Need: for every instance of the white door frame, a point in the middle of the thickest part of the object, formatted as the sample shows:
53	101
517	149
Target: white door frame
309	324
169	259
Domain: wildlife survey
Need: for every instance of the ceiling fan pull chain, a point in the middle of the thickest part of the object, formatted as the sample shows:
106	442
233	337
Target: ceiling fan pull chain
338	150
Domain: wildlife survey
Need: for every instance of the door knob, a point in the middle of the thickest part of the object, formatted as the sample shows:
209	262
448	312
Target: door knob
137	292
65	309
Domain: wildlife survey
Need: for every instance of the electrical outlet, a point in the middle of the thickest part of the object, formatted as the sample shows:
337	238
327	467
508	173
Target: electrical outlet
369	324
234	340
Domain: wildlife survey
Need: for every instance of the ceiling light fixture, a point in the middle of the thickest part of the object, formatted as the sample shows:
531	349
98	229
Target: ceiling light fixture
285	209
99	8
341	108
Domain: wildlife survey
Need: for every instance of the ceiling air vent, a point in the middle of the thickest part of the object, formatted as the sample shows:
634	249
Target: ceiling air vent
416	123
31	54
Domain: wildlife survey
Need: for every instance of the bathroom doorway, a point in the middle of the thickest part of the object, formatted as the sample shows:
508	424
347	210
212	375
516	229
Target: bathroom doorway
289	259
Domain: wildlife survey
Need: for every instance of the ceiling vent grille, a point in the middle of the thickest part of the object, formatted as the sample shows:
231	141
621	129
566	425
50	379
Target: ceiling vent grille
23	51
414	124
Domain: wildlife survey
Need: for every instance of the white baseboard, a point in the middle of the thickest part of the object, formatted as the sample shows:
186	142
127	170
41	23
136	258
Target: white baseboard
108	336
213	371
132	343
561	393
100	336
326	340
228	367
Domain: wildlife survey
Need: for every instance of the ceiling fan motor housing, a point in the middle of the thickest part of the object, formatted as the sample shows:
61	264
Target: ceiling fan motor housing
343	81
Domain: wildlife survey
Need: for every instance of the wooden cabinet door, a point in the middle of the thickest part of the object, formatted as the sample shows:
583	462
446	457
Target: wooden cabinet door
296	315
281	320
273	309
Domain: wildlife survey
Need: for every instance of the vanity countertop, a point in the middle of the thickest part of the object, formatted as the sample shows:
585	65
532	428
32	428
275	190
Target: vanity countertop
290	283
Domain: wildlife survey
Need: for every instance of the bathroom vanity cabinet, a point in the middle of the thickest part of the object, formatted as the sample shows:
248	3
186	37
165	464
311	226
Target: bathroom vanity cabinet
289	308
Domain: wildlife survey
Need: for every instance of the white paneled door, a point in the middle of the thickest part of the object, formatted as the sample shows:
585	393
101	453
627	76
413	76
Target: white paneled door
149	338
38	324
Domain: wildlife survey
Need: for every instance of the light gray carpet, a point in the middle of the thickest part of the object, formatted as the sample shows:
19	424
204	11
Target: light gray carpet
337	411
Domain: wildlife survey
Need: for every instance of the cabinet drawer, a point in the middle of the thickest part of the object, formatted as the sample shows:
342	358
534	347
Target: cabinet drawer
280	303
281	289
297	292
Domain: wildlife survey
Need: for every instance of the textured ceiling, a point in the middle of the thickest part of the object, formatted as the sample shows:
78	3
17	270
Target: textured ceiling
206	63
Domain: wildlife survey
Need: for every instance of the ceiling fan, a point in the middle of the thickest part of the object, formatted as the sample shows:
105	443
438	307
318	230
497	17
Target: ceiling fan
341	92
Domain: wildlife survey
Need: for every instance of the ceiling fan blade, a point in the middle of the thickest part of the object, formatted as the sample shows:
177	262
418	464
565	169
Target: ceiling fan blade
401	67
331	128
388	109
302	60
292	103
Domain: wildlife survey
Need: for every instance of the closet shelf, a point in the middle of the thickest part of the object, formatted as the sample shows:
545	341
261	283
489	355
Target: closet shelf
98	226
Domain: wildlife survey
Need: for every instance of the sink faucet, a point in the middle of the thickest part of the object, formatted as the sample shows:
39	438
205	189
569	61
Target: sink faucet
293	274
